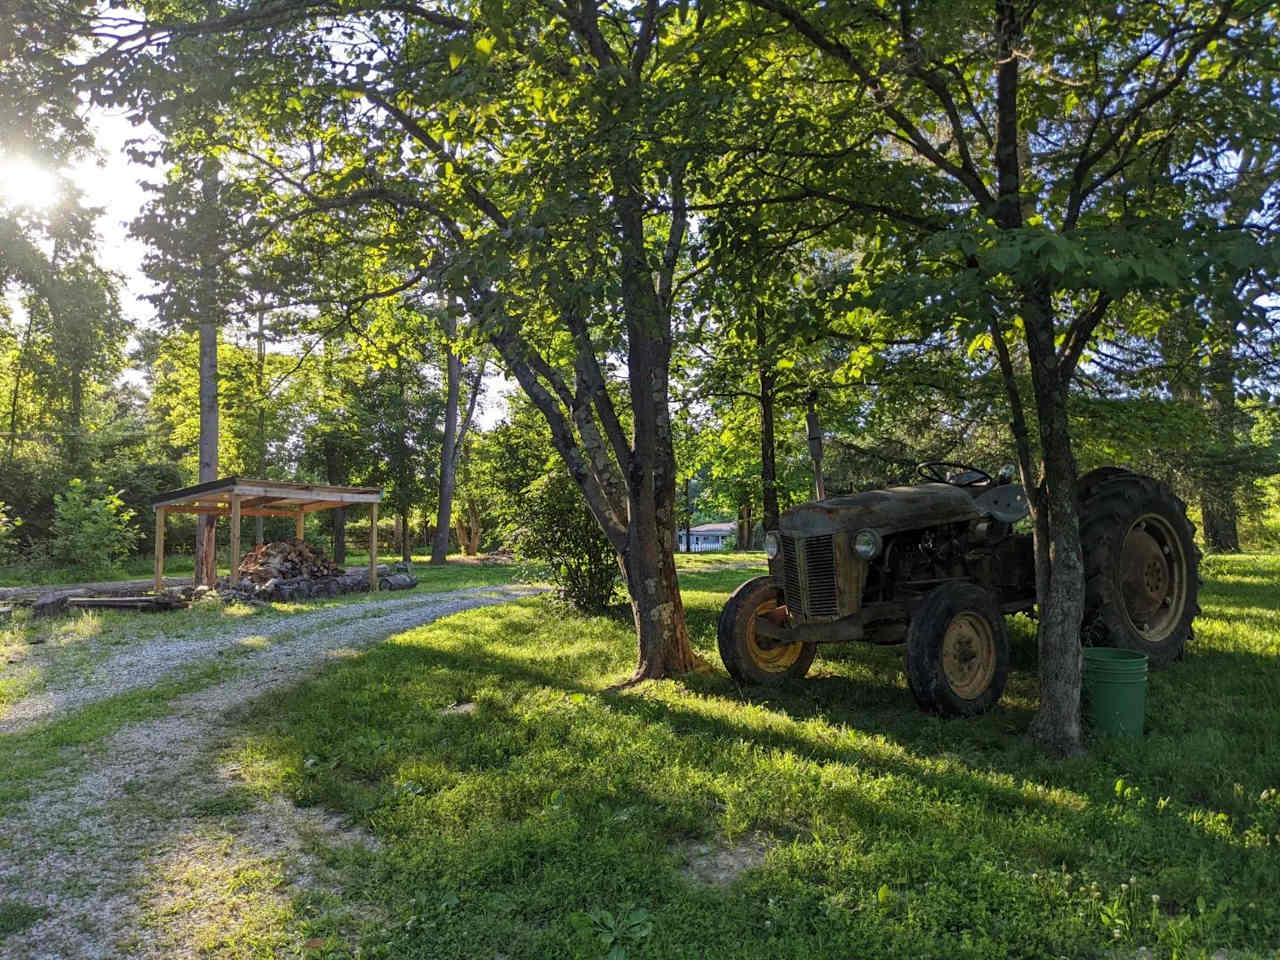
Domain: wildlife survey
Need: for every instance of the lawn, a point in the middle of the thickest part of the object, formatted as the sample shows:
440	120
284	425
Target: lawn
560	818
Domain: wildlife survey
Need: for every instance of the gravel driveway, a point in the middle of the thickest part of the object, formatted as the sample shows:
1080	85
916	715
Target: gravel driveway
84	844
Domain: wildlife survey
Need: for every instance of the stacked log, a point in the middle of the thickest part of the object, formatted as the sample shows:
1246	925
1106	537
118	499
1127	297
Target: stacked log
286	589
286	560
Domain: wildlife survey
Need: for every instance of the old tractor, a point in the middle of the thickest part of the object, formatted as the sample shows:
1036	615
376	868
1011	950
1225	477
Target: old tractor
938	565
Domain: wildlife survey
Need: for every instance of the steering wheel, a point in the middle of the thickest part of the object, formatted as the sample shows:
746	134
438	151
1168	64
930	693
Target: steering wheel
934	470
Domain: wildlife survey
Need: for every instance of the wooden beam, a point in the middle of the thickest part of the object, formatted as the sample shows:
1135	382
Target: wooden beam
373	548
235	537
258	501
226	512
319	505
300	524
159	549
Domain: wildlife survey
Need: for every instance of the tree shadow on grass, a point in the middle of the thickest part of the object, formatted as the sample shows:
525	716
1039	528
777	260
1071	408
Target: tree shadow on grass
554	784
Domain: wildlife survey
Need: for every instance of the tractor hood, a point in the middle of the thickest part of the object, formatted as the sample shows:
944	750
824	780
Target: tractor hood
886	511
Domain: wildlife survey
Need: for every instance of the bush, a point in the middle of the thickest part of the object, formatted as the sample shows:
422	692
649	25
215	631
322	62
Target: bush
8	535
559	530
91	532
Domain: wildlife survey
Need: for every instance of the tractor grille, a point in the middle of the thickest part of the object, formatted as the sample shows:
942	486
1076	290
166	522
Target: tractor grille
809	575
791	574
820	567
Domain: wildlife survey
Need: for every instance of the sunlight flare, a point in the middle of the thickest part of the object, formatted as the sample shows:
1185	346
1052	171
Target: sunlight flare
27	184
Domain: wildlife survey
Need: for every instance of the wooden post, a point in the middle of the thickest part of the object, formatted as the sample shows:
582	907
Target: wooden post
159	549
302	519
235	537
373	548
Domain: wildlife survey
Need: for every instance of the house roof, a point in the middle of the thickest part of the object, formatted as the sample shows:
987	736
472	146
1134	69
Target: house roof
724	528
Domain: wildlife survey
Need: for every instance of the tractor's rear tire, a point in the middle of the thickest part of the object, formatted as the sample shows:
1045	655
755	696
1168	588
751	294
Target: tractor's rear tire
958	651
1088	484
754	659
1142	567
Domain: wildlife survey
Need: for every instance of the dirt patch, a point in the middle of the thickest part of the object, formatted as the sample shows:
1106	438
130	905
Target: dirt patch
719	864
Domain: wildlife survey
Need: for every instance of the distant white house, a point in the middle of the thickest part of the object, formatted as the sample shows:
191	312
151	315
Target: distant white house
708	536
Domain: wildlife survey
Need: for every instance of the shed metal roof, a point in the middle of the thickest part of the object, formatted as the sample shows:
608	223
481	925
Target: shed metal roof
262	498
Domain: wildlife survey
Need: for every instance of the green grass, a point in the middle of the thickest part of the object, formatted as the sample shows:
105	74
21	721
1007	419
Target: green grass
16	916
538	825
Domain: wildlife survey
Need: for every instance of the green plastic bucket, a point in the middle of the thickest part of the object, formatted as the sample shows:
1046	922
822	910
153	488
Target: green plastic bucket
1115	686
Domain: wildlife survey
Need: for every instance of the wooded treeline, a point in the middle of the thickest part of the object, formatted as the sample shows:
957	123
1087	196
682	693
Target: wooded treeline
712	243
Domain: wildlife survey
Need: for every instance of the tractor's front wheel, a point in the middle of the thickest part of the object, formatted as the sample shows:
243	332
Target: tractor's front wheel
957	650
749	657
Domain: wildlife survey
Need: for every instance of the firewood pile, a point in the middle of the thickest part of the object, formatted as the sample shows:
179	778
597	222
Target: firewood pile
287	560
294	570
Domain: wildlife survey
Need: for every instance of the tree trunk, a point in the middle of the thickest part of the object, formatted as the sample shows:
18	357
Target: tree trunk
17	382
448	460
406	544
261	373
1218	498
75	421
813	424
768	453
688	517
206	552
630	488
335	473
1056	725
661	633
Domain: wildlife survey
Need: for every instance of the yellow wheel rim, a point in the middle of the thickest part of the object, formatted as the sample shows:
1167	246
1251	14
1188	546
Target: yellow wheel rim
969	655
769	656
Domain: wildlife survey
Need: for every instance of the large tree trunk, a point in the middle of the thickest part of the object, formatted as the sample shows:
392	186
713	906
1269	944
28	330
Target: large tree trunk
768	453
206	552
1056	725
629	487
661	634
813	425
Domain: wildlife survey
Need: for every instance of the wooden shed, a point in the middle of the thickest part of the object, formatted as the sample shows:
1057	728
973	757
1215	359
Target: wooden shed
237	497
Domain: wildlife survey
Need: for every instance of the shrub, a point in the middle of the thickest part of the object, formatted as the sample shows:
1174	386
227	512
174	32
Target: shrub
91	532
8	534
558	529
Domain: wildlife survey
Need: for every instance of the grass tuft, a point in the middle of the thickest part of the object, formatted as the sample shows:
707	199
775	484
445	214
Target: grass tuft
16	916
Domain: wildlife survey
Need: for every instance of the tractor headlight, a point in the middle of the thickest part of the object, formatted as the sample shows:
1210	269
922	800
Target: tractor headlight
771	544
866	543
